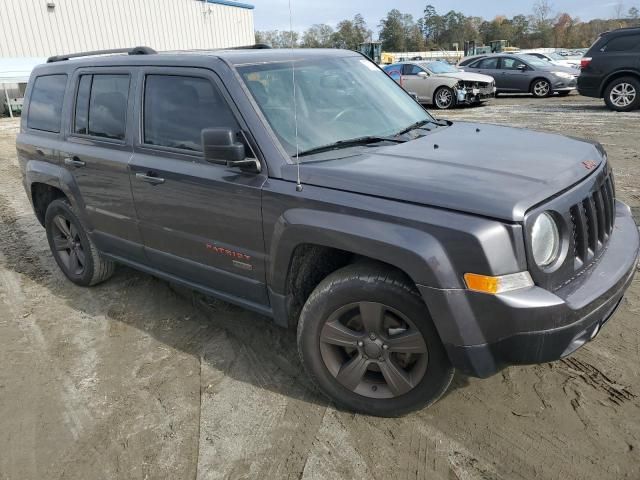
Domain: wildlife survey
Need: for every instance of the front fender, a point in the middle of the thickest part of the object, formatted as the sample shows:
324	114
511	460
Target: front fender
419	254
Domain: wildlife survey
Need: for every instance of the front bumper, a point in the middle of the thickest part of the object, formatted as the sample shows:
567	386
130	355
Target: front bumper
469	96
485	333
565	85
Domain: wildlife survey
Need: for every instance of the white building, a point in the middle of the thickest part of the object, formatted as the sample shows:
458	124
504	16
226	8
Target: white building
41	28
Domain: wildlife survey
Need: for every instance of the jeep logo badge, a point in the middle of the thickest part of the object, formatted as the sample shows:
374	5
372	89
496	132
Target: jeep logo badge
589	164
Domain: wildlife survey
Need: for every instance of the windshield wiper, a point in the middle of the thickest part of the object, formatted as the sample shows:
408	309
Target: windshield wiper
419	124
350	143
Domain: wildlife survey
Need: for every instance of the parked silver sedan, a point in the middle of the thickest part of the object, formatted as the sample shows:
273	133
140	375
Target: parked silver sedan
524	74
439	84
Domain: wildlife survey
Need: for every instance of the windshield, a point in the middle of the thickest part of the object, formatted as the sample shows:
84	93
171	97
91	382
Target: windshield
338	99
439	67
536	62
554	56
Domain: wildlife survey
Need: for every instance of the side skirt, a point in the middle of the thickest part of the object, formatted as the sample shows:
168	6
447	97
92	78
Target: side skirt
255	307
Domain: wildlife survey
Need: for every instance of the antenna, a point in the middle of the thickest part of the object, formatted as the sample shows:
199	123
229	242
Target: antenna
295	101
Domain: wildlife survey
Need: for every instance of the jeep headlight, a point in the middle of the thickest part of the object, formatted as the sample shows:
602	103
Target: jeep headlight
545	240
565	75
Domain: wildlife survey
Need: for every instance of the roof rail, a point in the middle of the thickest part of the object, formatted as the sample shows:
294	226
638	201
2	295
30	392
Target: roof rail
257	46
129	51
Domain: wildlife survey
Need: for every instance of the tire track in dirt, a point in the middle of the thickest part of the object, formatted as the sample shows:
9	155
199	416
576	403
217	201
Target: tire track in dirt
595	378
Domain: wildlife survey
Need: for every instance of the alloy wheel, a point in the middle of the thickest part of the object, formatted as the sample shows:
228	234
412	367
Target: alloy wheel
541	88
373	350
444	98
623	95
67	244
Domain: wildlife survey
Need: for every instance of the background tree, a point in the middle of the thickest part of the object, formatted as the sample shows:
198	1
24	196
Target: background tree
318	36
634	13
278	38
541	23
350	33
618	10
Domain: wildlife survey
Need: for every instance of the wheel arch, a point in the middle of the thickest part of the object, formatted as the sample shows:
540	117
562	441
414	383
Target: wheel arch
44	182
307	247
615	75
539	77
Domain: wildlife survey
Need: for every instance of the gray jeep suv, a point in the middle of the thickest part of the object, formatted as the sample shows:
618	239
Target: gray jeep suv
309	187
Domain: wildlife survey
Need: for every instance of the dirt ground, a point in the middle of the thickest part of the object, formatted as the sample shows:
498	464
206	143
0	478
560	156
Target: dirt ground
136	380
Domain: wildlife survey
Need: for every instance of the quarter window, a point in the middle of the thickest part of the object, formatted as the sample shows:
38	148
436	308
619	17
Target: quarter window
626	43
178	108
45	107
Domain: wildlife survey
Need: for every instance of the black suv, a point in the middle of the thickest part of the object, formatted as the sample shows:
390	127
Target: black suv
308	186
611	70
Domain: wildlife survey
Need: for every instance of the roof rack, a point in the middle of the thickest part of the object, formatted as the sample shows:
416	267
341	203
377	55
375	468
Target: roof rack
257	46
129	51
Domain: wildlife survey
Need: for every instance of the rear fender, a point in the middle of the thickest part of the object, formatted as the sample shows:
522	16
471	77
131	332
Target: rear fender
37	171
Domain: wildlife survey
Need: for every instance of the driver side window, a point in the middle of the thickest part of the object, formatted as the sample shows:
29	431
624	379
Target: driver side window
409	69
512	64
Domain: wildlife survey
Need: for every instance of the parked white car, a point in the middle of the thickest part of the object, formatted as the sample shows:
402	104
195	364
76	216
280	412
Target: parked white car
439	84
555	59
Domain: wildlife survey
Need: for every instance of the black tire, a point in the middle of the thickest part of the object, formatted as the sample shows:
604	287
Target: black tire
541	88
444	98
370	285
68	240
623	94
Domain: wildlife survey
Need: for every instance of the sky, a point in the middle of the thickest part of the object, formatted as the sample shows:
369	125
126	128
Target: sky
274	14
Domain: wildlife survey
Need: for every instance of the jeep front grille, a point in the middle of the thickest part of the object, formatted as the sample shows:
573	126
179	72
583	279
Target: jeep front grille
593	221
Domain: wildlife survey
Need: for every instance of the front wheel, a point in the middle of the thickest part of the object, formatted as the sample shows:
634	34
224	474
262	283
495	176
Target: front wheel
541	88
366	339
444	98
623	94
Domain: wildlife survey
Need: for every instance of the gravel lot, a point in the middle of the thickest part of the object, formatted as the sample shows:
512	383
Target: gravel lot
134	379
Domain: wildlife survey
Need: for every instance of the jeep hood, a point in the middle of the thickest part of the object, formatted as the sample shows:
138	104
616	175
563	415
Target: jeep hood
494	171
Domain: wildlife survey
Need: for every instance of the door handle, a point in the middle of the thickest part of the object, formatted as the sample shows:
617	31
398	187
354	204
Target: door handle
74	162
150	178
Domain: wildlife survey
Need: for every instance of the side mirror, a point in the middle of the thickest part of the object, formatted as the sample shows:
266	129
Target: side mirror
220	147
423	74
522	67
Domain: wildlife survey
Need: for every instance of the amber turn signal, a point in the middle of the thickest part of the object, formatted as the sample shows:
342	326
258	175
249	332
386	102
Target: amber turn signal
500	284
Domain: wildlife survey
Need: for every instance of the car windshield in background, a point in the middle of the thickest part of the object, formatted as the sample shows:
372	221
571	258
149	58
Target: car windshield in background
535	61
554	56
440	67
338	99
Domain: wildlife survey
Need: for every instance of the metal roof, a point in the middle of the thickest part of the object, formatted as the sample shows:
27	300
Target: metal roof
230	3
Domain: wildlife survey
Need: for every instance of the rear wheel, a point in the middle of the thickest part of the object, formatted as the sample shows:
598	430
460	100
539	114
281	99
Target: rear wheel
366	339
73	250
444	98
623	94
541	88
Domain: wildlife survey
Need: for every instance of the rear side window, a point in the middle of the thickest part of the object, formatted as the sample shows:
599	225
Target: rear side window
626	43
45	107
487	63
178	108
101	106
